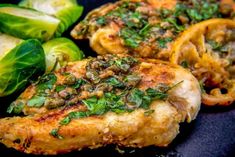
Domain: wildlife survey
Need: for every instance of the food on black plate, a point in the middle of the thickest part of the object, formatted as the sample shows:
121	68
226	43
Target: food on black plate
99	101
67	11
20	62
60	51
145	28
208	50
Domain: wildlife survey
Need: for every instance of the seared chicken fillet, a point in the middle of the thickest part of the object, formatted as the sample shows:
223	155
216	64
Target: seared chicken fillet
110	100
145	28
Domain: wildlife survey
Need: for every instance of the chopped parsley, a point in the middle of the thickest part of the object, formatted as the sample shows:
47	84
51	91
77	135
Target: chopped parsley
163	41
45	82
101	20
73	115
131	37
173	21
15	107
202	85
198	11
54	133
36	101
78	83
184	64
115	82
60	88
214	45
148	112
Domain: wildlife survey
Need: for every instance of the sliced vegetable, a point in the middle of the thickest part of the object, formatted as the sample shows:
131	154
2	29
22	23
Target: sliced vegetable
7	43
19	65
59	52
68	11
26	23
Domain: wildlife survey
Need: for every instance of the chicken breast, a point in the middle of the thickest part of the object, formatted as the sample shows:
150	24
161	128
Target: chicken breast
145	28
115	100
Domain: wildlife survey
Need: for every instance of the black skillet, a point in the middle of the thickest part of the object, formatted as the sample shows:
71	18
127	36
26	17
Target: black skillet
212	134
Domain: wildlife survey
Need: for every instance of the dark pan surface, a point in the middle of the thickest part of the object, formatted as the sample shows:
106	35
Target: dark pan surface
212	134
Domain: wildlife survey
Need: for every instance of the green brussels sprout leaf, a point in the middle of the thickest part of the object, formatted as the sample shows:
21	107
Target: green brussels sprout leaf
27	23
59	52
19	65
68	11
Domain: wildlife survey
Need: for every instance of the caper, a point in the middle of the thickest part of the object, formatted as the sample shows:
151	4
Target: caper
70	79
67	93
52	103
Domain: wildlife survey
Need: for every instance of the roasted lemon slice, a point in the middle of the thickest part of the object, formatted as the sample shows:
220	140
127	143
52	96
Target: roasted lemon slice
207	49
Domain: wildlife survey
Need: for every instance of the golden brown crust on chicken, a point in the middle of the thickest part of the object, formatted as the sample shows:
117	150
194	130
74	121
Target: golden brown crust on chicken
145	28
139	128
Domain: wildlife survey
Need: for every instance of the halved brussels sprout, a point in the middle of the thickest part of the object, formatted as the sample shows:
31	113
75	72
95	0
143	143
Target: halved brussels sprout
59	52
27	23
7	43
20	61
68	11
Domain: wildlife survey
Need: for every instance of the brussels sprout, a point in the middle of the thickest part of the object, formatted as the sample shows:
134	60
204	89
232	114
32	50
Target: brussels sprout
27	23
59	52
68	11
7	43
19	64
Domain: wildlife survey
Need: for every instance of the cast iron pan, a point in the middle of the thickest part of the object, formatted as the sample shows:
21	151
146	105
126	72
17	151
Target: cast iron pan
212	134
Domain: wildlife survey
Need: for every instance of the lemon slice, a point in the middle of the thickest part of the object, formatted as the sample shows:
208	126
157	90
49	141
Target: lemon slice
207	49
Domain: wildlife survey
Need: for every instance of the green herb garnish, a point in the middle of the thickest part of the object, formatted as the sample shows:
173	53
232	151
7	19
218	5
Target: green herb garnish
148	112
55	134
15	107
46	82
131	37
215	45
163	41
184	64
101	20
115	82
60	88
36	101
79	83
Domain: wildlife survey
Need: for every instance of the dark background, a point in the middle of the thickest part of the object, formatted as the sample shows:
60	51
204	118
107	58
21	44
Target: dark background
212	134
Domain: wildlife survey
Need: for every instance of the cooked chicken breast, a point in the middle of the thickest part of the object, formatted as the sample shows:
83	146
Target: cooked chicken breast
108	100
145	28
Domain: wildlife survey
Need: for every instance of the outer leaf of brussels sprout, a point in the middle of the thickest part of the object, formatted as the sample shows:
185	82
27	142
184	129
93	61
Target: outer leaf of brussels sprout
68	11
68	17
7	43
23	63
27	23
59	52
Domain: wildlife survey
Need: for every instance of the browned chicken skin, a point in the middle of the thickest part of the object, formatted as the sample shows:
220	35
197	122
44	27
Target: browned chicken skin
137	126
